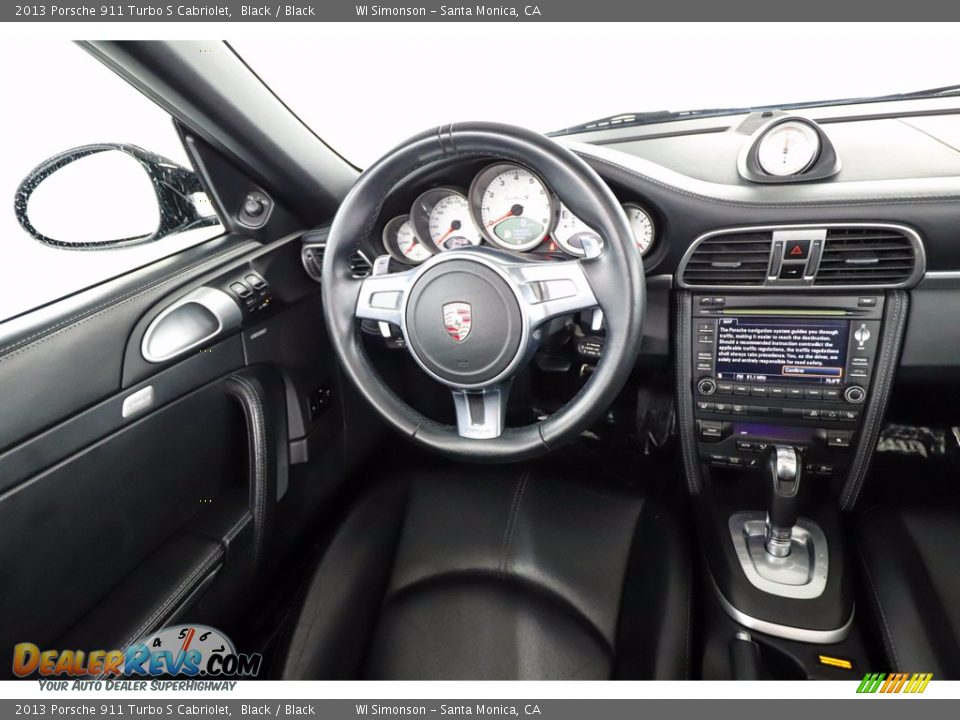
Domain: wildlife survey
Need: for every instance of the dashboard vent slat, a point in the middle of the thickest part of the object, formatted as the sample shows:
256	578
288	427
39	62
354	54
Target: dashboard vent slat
314	247
866	256
730	259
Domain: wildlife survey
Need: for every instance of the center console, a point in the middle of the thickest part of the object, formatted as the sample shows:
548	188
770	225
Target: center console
780	399
786	370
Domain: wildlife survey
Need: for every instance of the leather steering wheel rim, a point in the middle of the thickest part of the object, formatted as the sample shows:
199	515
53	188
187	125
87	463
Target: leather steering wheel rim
615	277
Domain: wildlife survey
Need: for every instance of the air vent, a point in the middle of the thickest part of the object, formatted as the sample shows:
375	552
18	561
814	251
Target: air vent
738	258
314	246
867	256
360	267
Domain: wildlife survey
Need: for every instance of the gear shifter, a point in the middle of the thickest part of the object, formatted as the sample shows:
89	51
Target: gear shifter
784	468
779	552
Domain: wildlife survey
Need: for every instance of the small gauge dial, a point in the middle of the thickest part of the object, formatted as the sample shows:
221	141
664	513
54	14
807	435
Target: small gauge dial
512	206
788	148
642	225
441	217
570	231
401	242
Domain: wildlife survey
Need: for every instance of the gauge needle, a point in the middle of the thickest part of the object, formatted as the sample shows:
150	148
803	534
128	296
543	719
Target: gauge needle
455	225
515	210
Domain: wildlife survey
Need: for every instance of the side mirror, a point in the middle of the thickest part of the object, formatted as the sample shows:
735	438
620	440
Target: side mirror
110	195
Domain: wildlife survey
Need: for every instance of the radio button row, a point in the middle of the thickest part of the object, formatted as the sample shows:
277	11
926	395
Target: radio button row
776	392
795	393
724	388
758	391
812	393
734	461
831	393
741	389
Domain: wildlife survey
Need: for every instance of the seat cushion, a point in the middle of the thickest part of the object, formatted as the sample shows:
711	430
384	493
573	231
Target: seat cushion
911	564
480	573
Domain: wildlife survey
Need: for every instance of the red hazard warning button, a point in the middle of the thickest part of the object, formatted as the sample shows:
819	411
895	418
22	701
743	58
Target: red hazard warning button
796	250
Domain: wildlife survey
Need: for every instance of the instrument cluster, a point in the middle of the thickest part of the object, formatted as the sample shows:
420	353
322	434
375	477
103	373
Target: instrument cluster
507	206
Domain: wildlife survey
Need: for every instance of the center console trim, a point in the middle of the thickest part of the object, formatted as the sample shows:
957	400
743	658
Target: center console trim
804	635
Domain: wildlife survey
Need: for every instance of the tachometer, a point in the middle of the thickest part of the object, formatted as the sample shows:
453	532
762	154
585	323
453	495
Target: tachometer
512	206
401	241
441	217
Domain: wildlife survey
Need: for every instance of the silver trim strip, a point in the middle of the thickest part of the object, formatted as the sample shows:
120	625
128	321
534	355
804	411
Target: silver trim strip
819	637
809	557
912	235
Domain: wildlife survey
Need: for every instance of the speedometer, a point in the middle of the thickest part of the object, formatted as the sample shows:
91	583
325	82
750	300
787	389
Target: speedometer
441	217
511	206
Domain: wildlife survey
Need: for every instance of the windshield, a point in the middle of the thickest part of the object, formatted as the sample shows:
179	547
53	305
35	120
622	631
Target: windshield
365	88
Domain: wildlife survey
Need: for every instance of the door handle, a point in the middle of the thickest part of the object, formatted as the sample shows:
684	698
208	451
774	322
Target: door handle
188	323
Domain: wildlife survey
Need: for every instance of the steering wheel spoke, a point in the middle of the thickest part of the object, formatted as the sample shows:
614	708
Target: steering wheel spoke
481	413
382	297
550	289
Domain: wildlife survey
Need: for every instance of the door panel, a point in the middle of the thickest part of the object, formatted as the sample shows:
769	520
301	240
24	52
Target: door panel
115	523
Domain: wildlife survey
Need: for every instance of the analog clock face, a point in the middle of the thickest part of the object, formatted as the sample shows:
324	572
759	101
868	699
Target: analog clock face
788	148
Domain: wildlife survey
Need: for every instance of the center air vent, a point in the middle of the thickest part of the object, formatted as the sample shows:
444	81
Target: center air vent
736	258
867	256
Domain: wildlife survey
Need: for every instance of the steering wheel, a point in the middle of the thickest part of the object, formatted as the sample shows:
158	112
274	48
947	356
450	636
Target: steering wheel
494	302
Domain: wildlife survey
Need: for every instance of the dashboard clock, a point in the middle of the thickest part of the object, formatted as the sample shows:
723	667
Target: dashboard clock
788	148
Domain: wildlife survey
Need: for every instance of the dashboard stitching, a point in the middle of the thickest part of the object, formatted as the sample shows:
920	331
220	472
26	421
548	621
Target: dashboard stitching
877	200
686	422
882	390
28	342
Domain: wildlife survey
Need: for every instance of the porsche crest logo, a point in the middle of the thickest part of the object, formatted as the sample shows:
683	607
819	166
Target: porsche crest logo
457	319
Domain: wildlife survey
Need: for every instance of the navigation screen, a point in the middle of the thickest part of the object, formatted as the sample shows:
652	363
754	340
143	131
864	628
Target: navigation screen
774	350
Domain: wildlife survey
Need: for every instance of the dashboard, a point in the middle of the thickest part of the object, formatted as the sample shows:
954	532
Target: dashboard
506	206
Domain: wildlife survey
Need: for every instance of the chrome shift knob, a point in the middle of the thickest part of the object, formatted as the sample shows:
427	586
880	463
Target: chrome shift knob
784	468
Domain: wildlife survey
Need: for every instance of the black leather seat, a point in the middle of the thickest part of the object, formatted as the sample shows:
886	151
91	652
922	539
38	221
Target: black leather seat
911	561
497	574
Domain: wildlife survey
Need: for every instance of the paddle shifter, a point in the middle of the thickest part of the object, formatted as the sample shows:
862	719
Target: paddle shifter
784	468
